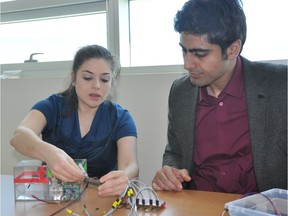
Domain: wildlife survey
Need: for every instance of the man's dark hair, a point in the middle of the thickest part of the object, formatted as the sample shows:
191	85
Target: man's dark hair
223	21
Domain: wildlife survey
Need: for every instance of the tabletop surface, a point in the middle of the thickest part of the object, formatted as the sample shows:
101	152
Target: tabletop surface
186	202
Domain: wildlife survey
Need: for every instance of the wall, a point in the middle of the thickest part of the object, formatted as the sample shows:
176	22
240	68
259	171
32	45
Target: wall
144	95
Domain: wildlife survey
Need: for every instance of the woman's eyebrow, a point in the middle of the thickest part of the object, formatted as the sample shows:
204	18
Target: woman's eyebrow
102	74
87	71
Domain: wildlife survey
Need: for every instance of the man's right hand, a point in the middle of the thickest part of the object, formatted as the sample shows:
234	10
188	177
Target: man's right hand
170	178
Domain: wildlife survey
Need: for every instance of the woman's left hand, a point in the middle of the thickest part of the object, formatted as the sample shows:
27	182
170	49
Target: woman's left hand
113	184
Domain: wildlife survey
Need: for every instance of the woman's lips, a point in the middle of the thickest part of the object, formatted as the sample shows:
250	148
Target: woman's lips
95	96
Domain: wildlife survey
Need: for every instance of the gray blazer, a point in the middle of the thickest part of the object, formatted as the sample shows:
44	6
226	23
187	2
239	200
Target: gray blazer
266	96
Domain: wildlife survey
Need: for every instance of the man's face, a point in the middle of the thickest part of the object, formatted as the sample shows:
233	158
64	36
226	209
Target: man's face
204	61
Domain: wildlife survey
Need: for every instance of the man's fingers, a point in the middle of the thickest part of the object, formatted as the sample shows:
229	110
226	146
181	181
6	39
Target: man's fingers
155	186
166	180
182	175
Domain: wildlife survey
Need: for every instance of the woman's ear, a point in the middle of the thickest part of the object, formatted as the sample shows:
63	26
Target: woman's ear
73	78
234	49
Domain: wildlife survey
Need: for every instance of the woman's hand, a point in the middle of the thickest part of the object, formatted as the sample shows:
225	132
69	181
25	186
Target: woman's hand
114	183
26	140
63	166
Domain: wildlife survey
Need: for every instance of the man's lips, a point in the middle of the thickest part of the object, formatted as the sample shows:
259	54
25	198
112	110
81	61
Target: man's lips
195	75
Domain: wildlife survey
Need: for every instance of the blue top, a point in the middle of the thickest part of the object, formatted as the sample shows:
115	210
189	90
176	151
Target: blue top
99	145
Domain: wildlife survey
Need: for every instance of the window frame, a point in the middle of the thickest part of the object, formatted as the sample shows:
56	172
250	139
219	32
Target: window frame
118	33
117	14
18	11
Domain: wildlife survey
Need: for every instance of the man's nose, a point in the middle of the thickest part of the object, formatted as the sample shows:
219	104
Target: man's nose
189	61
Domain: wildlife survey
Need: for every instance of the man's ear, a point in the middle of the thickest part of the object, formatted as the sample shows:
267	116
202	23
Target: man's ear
234	49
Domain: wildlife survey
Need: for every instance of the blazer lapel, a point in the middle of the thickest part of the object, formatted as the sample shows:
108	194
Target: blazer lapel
256	99
188	119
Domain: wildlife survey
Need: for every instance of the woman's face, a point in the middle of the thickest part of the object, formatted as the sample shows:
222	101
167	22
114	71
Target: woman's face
93	82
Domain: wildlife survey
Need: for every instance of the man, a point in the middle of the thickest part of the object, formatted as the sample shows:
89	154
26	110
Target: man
227	128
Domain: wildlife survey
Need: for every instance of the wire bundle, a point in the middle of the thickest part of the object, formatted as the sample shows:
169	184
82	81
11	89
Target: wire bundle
137	196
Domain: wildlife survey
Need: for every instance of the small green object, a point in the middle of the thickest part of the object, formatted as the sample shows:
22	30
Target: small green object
49	173
77	161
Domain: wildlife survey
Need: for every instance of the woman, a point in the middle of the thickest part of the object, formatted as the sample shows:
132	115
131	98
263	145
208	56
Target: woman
82	123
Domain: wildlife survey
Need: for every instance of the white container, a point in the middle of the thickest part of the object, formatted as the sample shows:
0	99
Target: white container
266	203
30	180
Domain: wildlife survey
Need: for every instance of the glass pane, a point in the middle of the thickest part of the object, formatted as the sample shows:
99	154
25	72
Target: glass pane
57	38
267	30
154	41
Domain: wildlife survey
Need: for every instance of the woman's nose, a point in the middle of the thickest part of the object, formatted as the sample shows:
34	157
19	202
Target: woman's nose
96	84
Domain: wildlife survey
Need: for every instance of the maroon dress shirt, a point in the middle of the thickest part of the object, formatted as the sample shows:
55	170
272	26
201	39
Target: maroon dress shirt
222	155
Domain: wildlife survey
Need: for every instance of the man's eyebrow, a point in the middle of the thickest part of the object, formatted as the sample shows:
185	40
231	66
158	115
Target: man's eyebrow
194	50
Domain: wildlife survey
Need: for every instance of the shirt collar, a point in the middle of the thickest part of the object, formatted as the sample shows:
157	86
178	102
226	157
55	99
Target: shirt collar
234	87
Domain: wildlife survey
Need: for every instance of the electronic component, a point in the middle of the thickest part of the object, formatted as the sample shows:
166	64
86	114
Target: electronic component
92	181
34	181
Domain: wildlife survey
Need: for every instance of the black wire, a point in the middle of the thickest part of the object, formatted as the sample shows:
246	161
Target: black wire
273	205
49	202
73	201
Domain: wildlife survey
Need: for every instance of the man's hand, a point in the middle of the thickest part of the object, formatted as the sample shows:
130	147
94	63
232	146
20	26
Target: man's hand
170	178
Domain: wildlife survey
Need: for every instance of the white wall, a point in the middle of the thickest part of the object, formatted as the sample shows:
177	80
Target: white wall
144	95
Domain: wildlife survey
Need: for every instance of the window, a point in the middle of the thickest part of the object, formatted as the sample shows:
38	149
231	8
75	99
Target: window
154	42
141	32
267	30
56	31
153	39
